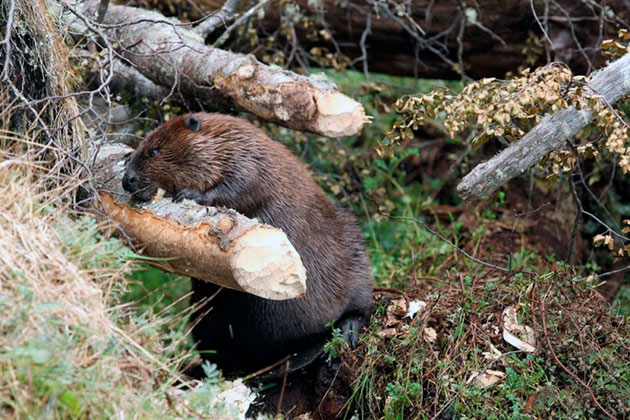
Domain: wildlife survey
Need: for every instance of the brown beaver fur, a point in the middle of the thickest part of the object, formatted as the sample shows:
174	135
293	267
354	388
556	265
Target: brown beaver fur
225	161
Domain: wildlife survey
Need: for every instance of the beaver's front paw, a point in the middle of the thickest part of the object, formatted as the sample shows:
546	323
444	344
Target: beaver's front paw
350	328
189	194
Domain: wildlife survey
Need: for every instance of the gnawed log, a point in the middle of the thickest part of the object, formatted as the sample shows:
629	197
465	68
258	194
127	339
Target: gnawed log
216	245
550	134
170	55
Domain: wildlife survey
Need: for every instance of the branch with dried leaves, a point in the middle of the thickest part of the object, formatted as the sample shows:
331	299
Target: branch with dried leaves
170	55
550	134
216	245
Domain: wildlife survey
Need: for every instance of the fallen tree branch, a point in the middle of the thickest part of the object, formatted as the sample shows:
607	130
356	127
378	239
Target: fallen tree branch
221	16
216	245
550	134
172	56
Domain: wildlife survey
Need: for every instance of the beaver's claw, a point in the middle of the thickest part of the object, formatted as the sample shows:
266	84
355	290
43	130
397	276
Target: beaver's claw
350	328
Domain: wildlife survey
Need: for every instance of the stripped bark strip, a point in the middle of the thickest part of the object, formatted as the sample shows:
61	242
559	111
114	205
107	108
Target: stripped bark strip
550	134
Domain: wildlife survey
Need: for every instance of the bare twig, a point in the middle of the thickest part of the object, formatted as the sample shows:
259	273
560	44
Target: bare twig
576	223
364	56
284	386
7	40
608	228
540	25
567	370
225	14
610	273
129	79
266	368
575	37
225	35
458	249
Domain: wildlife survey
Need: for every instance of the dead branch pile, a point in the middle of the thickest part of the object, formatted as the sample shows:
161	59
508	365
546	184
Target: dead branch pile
168	54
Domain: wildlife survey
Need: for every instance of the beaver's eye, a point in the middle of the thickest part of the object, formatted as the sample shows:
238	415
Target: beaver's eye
153	152
192	123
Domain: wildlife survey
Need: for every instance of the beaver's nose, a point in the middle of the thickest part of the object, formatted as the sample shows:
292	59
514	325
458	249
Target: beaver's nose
130	181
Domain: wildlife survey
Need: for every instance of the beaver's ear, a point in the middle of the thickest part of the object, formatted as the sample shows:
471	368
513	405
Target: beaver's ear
192	123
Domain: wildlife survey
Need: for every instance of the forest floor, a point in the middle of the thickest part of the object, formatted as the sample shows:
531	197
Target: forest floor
476	313
440	346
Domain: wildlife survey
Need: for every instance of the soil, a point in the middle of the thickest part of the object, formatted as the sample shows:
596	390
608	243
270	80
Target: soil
318	392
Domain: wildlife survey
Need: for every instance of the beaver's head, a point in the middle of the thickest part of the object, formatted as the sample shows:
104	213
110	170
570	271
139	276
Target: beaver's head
185	152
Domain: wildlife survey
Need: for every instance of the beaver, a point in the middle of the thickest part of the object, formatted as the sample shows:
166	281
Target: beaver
224	161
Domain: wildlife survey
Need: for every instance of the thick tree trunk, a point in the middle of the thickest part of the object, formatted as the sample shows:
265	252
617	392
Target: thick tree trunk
216	245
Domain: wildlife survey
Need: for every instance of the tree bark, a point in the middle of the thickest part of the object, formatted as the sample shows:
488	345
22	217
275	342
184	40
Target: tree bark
174	57
216	245
550	134
221	16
